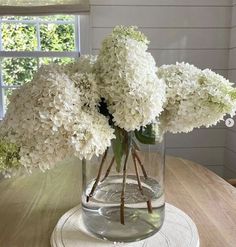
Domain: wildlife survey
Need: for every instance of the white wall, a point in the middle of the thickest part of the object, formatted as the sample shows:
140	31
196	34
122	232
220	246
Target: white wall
193	31
230	149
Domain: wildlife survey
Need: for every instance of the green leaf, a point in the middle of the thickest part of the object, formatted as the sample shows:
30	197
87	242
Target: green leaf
146	135
118	146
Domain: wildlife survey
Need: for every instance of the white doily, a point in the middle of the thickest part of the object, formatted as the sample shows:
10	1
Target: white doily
178	230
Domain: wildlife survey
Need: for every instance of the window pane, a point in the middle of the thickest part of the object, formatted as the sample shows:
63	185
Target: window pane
20	18
17	71
58	18
19	37
61	60
19	33
45	61
57	37
64	60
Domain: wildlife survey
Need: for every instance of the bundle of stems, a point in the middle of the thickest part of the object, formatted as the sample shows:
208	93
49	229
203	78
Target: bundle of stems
131	150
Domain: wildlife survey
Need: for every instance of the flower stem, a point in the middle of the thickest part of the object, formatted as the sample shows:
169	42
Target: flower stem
137	174
135	145
98	176
149	202
149	205
122	197
84	170
136	158
109	169
141	164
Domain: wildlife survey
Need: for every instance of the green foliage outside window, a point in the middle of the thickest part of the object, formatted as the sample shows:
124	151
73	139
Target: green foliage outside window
57	37
23	37
18	37
17	71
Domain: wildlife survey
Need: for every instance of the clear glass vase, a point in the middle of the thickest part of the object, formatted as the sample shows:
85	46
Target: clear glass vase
126	203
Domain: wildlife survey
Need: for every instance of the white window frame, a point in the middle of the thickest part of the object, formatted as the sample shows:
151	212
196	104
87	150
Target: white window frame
82	46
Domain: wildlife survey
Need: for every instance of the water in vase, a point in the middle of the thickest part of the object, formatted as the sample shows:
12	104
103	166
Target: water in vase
101	214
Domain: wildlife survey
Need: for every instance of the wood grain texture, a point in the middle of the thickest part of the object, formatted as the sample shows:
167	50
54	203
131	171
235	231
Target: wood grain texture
31	206
207	198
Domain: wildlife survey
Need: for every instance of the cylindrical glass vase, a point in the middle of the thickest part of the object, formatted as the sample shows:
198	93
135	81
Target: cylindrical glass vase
125	203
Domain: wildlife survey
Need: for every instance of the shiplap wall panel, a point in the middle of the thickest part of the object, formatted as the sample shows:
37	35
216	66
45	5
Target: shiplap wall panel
231	140
176	38
225	74
232	59
163	2
232	75
205	156
161	16
213	59
180	30
233	128
197	138
230	152
228	173
233	20
233	37
230	159
217	169
220	124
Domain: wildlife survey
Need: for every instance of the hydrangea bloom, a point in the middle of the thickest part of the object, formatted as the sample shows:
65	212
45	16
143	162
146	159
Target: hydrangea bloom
194	97
85	64
128	79
71	110
48	119
82	74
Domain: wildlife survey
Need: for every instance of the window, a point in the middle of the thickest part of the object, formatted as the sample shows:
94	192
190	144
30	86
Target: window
28	42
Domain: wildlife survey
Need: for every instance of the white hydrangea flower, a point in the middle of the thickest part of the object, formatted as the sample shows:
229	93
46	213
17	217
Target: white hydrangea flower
85	64
128	79
92	136
46	116
82	74
195	98
63	110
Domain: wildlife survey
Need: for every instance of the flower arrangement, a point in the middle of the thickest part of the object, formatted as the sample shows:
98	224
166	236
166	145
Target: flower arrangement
83	108
100	101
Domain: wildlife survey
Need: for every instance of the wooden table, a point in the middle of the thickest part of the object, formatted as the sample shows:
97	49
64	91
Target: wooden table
30	207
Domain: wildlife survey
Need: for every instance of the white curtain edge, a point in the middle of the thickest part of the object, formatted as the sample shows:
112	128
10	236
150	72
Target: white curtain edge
44	10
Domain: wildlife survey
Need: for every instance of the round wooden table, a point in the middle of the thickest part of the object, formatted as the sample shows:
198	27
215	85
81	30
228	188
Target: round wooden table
31	206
